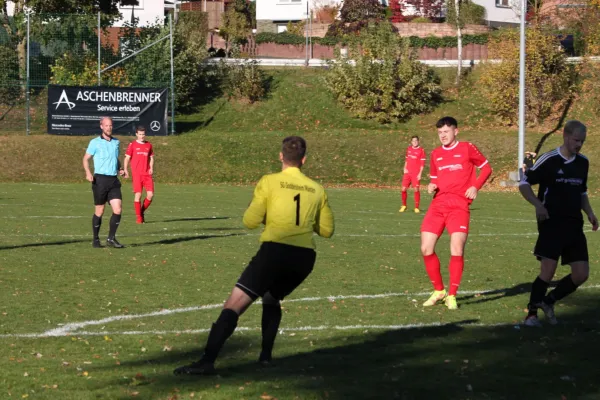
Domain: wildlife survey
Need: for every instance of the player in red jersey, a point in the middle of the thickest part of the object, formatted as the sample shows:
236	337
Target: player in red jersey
413	168
455	184
141	155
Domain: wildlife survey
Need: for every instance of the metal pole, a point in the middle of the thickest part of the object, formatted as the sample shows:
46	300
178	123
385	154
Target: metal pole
28	118
99	47
306	33
522	89
311	35
172	77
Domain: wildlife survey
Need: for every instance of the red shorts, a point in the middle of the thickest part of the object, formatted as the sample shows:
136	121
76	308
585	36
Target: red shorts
447	212
142	181
407	179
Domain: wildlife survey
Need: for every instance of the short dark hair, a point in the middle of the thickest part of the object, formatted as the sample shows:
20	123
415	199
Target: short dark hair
446	121
414	137
293	149
574	126
140	128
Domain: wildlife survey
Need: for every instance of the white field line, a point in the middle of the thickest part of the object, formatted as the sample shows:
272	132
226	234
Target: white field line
74	327
252	329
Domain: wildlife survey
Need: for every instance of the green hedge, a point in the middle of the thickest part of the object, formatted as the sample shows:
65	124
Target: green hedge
432	42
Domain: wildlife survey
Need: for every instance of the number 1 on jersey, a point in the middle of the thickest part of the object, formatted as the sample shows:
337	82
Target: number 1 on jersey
297	200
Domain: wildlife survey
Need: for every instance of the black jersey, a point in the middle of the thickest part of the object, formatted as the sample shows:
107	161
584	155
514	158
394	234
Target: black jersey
561	181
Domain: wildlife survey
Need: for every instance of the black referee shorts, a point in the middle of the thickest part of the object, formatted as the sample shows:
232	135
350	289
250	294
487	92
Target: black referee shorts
562	239
106	188
278	269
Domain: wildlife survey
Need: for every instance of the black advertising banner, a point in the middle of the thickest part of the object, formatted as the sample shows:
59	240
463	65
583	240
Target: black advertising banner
76	110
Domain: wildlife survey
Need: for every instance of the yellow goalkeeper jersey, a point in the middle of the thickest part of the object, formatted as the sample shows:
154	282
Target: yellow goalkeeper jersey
292	207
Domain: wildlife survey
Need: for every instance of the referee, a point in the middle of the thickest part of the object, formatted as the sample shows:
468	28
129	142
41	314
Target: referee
106	187
292	207
562	178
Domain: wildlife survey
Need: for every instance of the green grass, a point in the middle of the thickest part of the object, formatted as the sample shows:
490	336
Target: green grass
194	247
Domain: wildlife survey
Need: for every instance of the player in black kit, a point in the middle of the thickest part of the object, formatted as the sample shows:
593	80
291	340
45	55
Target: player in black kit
562	178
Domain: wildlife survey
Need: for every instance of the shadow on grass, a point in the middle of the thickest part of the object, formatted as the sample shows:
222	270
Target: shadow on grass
186	239
493	295
458	360
192	219
59	243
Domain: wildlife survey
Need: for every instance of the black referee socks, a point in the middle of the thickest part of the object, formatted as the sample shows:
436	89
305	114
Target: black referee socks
115	220
564	288
538	291
219	333
271	318
96	222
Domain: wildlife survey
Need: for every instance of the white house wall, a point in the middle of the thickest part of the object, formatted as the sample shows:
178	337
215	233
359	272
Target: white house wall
148	13
496	14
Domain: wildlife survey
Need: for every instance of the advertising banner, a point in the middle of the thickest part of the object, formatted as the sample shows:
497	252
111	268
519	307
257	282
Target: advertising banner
76	110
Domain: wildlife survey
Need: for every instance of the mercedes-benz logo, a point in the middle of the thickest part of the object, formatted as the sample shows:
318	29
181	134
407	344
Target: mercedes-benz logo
155	125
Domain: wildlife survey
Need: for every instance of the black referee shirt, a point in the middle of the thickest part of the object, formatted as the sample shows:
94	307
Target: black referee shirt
561	181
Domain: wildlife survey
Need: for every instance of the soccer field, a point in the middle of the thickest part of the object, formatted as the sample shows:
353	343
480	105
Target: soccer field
84	323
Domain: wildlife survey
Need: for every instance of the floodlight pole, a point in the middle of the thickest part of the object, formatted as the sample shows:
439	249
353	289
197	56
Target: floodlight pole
172	75
27	77
99	51
522	56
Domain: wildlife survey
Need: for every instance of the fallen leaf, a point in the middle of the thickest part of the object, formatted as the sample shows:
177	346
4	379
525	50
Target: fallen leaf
85	373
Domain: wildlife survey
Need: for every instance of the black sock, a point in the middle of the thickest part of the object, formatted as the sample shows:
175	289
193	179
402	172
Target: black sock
96	222
115	220
538	291
271	318
219	333
564	288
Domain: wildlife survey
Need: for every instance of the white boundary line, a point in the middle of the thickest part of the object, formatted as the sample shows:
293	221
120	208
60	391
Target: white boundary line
73	328
253	329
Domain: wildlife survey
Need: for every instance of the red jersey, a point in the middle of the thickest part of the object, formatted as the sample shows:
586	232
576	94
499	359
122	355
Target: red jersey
453	168
140	154
415	159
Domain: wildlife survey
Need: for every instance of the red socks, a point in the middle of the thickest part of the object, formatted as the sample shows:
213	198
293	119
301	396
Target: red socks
432	266
457	265
417	199
404	198
147	204
138	208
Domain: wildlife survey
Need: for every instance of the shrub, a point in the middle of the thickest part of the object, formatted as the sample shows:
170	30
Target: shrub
244	81
421	20
82	70
9	75
387	82
549	79
297	28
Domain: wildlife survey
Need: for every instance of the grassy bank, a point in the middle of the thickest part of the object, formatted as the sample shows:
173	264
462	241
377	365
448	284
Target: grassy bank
230	142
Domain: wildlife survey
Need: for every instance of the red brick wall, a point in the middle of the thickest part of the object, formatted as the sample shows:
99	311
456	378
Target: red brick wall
431	29
273	50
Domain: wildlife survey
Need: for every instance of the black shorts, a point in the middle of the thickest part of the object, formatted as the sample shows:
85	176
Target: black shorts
564	240
106	188
278	269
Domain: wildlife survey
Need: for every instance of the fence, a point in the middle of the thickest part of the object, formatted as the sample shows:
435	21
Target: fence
78	50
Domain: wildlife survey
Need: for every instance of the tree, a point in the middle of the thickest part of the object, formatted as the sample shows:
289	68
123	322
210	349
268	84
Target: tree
236	23
431	9
17	30
396	8
360	10
549	79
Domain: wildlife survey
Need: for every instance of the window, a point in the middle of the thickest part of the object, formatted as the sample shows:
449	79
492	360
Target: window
502	3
